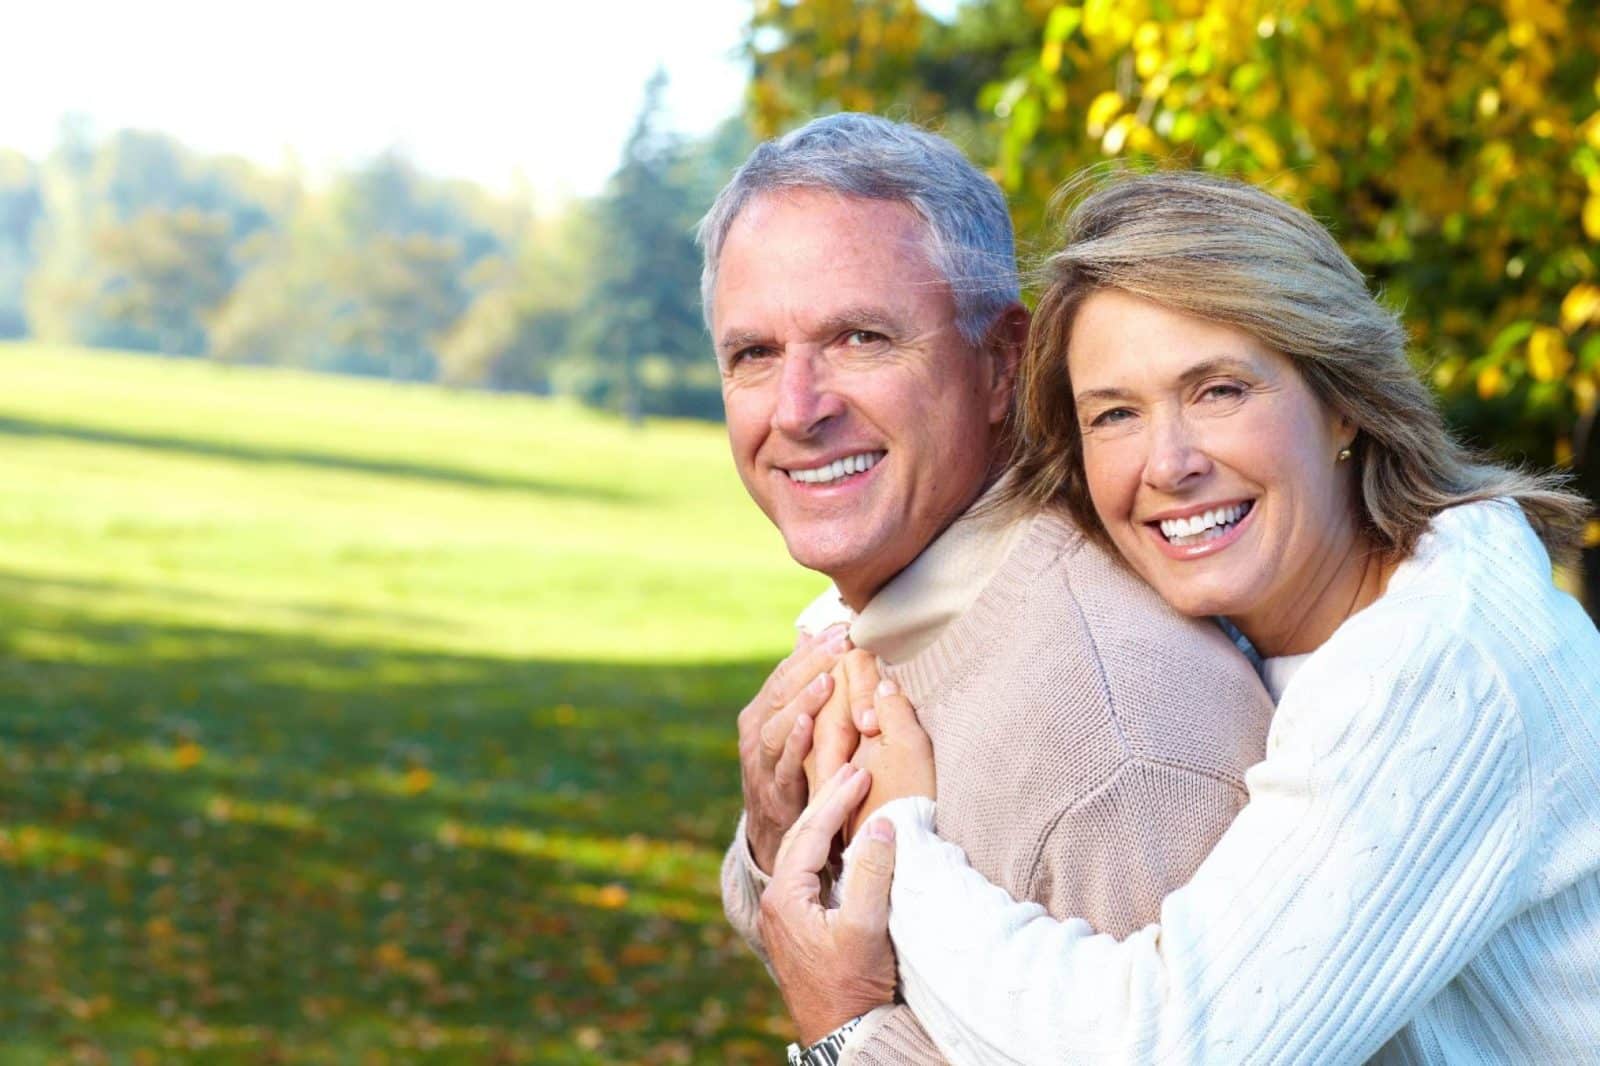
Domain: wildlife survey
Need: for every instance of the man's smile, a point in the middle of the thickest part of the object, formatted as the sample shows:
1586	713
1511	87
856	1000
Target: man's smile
835	470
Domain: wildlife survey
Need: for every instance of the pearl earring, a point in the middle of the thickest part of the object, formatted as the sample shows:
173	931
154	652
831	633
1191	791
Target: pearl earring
1344	453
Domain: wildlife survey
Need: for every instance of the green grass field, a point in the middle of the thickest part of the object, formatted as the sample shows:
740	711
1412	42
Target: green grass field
350	722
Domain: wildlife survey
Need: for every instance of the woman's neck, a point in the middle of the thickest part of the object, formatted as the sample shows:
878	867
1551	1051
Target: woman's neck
1347	582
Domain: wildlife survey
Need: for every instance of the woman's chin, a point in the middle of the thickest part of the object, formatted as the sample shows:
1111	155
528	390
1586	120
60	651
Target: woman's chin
1197	589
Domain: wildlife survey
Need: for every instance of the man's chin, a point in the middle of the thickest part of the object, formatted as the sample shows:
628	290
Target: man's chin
834	560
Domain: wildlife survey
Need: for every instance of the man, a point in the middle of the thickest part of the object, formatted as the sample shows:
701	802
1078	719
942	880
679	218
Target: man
860	286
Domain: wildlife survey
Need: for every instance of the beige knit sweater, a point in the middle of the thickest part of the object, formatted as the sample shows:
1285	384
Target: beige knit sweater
1090	746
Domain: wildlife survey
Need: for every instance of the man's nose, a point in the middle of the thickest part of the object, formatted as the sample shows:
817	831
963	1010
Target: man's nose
1176	456
806	398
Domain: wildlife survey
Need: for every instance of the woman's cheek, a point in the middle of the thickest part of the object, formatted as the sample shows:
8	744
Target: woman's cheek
1113	470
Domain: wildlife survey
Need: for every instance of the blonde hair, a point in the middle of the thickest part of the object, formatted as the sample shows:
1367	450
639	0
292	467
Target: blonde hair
1225	251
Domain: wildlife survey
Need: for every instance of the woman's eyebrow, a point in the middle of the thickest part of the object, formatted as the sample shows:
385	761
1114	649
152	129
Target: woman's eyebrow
1220	364
1103	395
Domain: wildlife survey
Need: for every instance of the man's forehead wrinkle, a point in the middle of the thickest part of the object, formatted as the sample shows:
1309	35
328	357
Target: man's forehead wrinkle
916	236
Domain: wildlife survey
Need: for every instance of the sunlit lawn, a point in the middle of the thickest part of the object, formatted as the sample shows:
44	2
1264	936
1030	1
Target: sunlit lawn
347	722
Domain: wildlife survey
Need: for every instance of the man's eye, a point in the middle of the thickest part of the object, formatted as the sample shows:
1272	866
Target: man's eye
744	355
858	338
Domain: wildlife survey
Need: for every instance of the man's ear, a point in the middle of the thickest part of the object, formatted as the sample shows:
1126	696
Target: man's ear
1003	351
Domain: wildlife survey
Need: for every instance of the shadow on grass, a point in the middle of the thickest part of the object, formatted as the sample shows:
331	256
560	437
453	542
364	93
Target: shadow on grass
216	839
267	453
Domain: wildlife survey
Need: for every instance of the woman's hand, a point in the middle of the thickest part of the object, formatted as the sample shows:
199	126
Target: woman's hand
775	734
899	757
834	731
831	965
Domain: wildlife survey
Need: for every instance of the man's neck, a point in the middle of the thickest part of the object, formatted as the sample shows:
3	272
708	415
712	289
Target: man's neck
857	593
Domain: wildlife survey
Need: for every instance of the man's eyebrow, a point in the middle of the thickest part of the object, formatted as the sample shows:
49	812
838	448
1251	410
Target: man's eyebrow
1220	364
733	340
863	317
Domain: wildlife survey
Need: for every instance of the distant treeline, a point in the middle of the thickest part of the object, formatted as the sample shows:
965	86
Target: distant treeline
133	241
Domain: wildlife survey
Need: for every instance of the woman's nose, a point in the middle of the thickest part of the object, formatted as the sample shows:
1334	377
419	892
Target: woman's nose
1176	457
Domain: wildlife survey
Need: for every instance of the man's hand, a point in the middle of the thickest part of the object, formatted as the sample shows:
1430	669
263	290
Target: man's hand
775	732
835	735
831	965
900	756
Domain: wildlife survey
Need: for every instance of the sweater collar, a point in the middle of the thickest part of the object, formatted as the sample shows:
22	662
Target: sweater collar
910	612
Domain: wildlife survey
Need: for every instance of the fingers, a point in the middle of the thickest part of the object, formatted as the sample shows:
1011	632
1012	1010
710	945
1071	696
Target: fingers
896	717
776	733
806	846
861	676
836	734
789	776
869	871
816	656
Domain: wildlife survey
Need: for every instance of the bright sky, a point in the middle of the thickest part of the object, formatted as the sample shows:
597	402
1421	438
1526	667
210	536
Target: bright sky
489	91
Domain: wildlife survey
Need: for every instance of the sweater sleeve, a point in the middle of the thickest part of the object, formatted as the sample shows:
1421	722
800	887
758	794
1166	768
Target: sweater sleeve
1383	843
742	885
895	1038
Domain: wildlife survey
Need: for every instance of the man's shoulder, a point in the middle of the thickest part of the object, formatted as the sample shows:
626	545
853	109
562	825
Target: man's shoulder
1156	670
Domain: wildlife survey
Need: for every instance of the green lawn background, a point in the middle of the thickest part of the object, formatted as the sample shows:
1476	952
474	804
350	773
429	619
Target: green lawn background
345	721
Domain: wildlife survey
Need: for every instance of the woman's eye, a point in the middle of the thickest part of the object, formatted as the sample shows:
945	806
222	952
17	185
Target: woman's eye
1222	390
1111	417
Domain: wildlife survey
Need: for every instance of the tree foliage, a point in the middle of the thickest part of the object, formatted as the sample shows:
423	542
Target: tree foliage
1453	147
133	241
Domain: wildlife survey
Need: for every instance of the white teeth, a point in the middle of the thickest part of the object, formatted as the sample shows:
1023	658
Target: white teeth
1208	525
850	464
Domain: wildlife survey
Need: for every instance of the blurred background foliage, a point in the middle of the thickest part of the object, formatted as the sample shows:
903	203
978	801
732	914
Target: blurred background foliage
1452	146
132	241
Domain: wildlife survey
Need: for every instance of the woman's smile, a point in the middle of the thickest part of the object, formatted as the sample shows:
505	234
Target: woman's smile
1201	531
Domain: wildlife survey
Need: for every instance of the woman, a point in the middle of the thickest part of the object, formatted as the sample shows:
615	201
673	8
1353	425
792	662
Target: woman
1211	389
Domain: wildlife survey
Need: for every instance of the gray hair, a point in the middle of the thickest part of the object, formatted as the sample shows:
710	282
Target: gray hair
969	237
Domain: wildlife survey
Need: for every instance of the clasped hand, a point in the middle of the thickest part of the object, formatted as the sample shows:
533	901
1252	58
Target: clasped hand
853	743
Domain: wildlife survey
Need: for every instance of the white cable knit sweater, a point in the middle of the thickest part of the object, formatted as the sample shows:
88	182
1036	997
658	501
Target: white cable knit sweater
1416	875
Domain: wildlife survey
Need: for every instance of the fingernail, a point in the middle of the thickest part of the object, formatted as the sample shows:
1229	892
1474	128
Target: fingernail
887	687
819	683
869	720
839	639
802	722
881	829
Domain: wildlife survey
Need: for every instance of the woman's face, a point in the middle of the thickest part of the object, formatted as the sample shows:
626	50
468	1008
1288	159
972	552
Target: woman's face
1211	465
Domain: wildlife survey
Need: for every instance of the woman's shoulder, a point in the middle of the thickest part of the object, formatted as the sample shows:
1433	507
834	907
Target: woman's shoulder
1474	608
1481	575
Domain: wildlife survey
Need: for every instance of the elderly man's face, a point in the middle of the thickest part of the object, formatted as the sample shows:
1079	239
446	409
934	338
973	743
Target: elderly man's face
862	422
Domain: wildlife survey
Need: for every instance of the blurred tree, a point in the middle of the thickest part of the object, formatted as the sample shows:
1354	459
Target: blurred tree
1453	147
523	320
21	208
644	301
136	242
403	247
370	277
160	276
